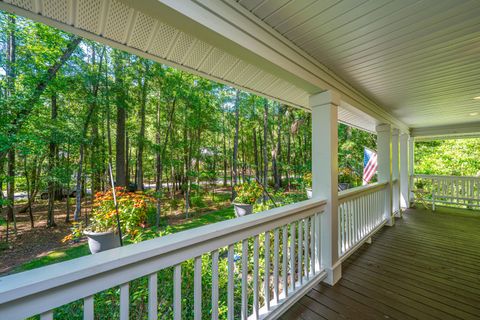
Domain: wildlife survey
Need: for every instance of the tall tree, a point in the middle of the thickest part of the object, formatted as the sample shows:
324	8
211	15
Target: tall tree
235	140
120	149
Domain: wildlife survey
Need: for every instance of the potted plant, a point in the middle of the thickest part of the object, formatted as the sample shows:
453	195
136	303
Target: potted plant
420	185
307	181
102	230
246	195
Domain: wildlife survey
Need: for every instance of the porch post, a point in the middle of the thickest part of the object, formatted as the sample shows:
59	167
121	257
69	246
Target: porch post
325	176
384	158
395	174
411	169
404	181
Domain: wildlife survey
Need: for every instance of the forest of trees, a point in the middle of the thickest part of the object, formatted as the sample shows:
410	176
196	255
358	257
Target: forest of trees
71	106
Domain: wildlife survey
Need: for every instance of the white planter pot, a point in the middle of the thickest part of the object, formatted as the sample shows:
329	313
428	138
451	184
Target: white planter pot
101	241
242	209
309	193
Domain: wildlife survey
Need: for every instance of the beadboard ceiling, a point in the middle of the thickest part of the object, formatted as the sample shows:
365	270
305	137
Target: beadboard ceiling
419	60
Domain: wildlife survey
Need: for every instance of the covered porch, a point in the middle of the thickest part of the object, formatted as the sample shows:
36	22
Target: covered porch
424	268
311	259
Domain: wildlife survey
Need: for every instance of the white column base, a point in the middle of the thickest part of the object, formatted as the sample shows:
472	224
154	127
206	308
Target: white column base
391	221
334	274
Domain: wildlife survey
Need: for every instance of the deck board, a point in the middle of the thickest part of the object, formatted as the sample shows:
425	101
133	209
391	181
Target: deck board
425	267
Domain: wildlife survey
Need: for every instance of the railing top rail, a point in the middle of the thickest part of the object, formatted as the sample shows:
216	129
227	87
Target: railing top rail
172	249
434	176
354	192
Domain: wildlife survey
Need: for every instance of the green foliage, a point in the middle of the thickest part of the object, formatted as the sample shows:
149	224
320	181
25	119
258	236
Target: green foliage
248	192
460	157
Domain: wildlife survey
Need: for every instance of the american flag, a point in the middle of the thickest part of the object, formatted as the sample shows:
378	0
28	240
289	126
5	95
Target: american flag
369	165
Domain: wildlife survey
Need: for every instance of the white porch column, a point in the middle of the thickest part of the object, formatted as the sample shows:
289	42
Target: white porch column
411	169
395	173
404	180
384	156
325	176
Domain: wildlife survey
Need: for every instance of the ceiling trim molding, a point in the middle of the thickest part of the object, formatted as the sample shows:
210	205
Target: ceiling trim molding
467	129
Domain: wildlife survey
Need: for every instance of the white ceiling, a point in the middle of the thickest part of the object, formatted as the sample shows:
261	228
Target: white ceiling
420	60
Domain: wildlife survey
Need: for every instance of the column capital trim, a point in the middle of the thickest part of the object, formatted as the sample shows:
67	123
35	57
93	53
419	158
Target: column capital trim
395	132
384	127
324	98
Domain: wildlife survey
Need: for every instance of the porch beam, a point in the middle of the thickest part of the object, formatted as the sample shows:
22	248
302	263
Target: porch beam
325	176
457	130
384	156
404	173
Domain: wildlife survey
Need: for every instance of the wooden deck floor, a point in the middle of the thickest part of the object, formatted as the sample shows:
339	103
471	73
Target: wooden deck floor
426	267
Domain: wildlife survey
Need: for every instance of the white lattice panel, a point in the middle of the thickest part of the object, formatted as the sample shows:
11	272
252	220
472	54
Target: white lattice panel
141	32
181	47
197	54
211	61
55	9
228	62
88	14
25	4
117	21
163	40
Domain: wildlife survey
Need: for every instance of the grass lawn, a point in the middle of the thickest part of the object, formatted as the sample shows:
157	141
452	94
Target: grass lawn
82	249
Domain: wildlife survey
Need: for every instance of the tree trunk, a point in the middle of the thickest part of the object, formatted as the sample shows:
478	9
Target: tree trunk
235	142
255	155
11	188
120	169
141	135
11	78
225	162
265	137
51	165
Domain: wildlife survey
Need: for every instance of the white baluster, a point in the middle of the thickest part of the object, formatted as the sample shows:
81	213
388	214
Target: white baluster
266	281
305	248
275	265
215	285
47	315
256	307
299	251
88	308
197	288
292	256
152	297
124	302
244	310
230	285
284	260
177	292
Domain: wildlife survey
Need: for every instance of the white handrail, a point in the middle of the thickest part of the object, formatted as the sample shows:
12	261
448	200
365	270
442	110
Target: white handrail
359	191
41	290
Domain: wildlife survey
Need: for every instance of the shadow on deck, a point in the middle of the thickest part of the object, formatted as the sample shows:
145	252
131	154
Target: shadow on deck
426	267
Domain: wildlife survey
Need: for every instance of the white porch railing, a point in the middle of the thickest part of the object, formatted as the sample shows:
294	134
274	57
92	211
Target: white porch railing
361	212
461	191
291	267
